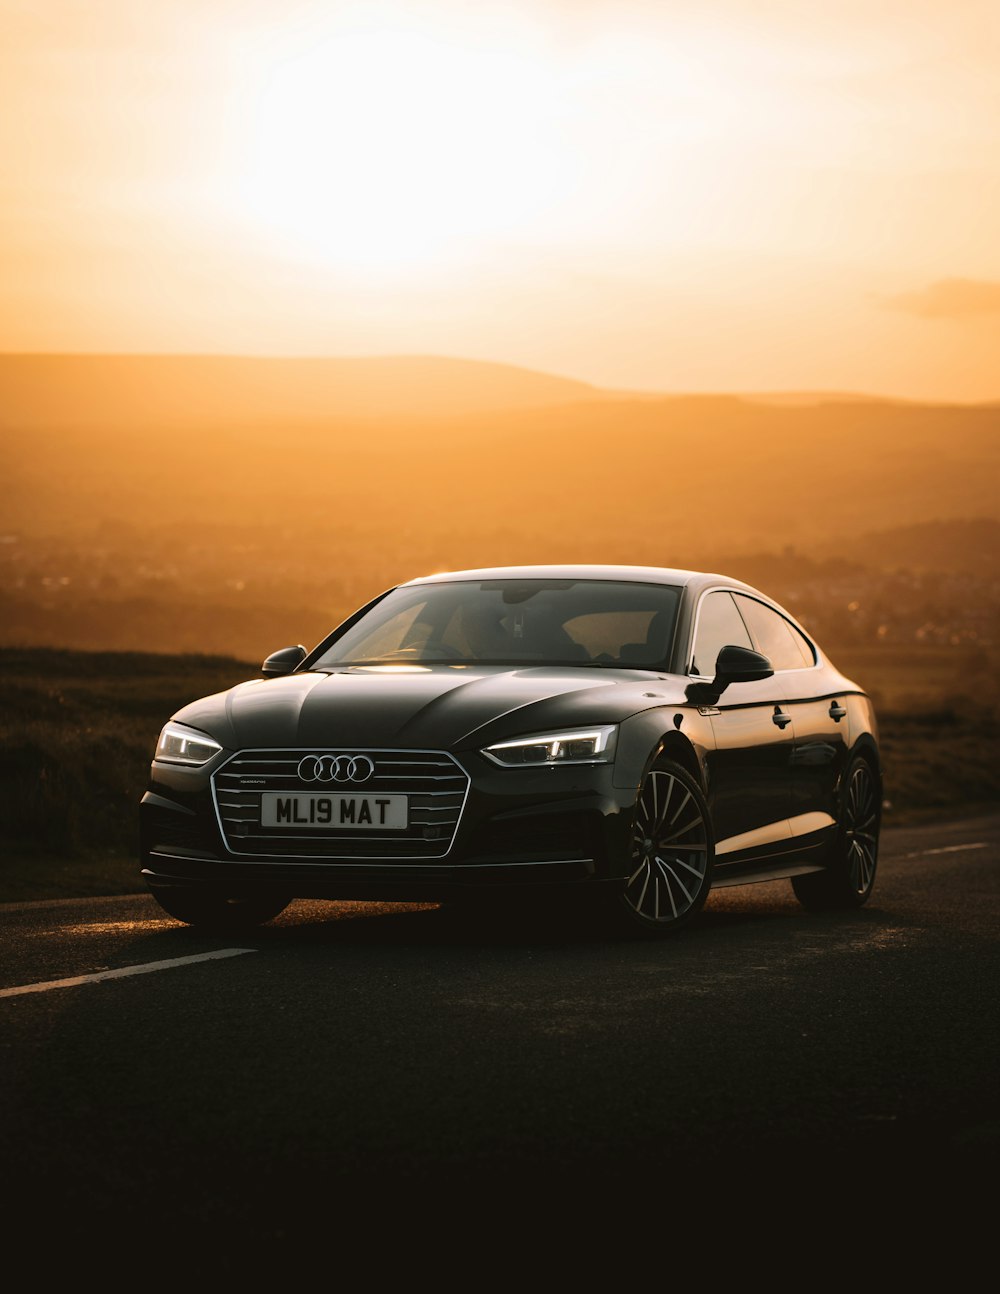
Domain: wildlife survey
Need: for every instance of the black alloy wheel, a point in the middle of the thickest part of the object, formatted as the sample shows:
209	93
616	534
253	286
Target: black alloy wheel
216	912
671	853
847	882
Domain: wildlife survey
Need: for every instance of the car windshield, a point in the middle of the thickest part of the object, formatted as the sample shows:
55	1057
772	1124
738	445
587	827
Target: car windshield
513	621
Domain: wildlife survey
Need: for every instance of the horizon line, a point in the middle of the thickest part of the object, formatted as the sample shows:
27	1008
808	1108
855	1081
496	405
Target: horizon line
639	392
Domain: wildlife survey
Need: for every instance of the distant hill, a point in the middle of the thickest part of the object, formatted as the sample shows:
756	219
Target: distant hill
818	397
965	546
200	444
176	392
206	504
119	392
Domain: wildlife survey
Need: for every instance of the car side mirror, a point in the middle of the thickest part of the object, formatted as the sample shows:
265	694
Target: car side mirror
740	665
285	661
733	665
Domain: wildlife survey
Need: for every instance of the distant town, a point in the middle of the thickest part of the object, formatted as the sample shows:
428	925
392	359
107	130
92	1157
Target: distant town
132	591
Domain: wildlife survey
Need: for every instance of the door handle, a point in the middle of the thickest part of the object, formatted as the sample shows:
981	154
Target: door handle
836	711
780	718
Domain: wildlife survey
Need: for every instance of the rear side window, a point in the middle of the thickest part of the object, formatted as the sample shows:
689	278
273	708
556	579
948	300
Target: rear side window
780	641
719	625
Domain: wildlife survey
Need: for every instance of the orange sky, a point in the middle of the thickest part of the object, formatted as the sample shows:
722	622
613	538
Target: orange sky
679	195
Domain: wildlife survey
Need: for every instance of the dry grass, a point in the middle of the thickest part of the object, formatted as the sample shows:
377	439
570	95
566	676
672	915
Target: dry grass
76	738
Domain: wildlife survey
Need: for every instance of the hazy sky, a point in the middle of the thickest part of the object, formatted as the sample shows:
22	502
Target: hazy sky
682	195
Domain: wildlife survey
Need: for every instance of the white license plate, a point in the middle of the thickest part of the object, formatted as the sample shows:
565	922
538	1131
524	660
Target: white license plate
334	812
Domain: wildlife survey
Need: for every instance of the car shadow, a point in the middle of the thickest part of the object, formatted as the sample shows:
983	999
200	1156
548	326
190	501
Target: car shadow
775	913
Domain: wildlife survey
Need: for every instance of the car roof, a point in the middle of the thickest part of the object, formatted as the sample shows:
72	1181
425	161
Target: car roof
642	574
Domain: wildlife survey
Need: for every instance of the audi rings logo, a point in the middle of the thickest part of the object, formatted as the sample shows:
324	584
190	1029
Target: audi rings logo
335	768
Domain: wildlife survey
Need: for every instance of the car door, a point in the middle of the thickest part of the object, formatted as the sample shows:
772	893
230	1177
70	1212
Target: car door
749	771
819	720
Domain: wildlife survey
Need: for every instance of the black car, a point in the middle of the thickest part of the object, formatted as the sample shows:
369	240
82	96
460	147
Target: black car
628	735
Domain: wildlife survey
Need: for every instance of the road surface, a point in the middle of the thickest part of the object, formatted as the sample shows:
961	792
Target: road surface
358	1068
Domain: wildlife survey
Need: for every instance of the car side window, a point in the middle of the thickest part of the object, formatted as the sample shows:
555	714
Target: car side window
780	641
719	625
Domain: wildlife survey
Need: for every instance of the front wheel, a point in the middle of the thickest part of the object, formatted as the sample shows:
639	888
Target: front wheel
848	880
216	912
671	853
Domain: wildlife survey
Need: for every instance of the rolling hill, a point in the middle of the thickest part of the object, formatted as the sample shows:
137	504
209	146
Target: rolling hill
121	392
205	503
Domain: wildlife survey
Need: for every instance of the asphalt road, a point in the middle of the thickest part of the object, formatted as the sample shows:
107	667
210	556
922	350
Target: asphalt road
373	1070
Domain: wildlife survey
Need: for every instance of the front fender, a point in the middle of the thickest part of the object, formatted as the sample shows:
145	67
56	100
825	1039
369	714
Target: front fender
678	731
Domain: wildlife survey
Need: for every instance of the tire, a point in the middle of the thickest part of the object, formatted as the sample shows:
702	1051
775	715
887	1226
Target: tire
215	912
671	854
848	880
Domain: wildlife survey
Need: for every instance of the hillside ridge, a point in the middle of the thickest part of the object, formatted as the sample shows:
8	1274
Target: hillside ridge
117	390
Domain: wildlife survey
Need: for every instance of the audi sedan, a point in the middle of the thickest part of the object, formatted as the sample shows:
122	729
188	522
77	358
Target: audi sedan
628	736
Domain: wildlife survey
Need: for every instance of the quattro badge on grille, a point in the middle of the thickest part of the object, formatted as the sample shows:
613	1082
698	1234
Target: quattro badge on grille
335	768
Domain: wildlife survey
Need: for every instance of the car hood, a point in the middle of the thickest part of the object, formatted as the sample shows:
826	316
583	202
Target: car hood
429	707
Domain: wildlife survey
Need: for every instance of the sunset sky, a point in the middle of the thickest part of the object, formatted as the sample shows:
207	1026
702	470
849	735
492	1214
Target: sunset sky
679	195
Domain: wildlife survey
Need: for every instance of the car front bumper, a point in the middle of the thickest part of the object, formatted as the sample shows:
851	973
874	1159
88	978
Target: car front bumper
519	828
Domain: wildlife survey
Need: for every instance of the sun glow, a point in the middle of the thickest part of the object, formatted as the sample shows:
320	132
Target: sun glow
667	196
387	149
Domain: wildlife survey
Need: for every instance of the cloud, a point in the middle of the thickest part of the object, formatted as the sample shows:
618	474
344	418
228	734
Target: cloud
950	299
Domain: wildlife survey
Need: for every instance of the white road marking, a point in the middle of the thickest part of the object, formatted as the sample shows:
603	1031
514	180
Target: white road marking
955	849
143	969
947	849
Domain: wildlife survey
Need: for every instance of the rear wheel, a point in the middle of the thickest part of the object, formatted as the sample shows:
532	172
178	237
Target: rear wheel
215	912
671	853
847	882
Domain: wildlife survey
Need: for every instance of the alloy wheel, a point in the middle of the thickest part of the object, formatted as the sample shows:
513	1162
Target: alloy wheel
670	850
860	823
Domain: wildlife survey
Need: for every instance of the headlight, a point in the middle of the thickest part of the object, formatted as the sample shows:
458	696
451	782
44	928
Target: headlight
181	745
574	746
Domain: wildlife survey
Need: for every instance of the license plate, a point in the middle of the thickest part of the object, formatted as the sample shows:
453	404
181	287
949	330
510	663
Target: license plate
333	812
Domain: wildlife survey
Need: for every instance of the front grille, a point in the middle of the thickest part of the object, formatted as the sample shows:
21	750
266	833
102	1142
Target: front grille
434	783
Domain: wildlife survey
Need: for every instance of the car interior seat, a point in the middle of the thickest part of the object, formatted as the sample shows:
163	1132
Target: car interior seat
537	632
485	632
654	650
